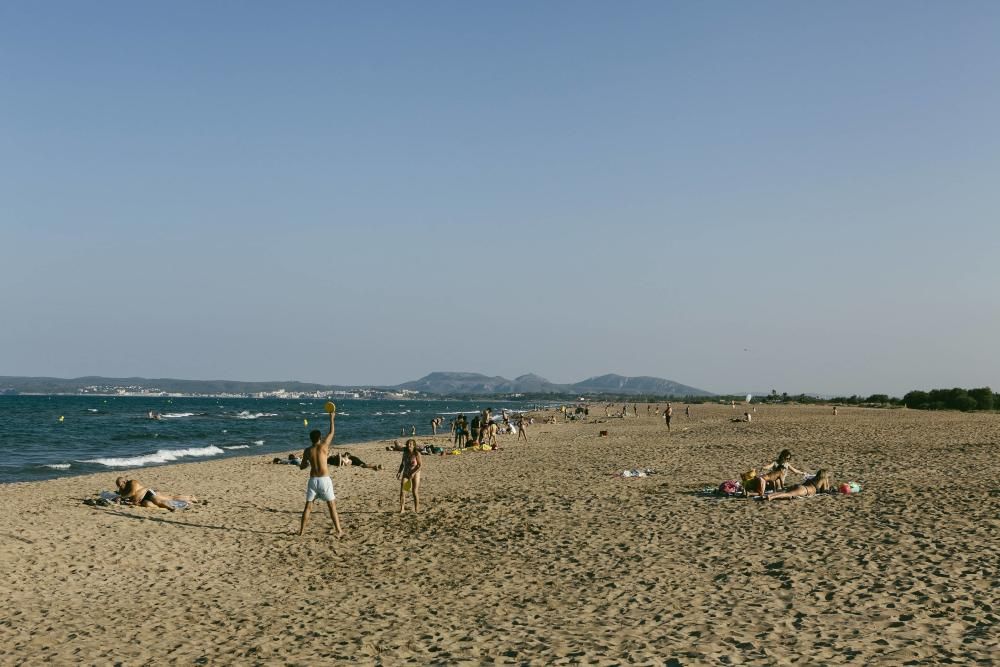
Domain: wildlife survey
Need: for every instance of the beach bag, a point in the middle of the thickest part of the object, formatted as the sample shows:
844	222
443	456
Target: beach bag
730	487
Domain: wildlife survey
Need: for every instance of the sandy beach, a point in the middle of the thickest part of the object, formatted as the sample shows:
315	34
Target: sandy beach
535	554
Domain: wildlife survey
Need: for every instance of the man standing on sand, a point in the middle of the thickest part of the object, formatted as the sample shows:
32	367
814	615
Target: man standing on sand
320	485
668	414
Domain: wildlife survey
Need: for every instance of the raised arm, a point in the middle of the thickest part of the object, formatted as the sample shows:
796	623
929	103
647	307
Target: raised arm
329	436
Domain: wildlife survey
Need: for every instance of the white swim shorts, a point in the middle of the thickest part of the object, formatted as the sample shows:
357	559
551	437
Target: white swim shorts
321	487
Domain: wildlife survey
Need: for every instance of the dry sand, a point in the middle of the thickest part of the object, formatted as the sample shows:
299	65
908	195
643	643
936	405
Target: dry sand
535	554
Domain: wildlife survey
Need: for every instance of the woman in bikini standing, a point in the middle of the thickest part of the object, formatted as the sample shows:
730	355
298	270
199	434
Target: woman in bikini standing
821	482
409	469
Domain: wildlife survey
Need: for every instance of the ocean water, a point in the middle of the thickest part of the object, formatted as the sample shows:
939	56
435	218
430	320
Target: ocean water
42	437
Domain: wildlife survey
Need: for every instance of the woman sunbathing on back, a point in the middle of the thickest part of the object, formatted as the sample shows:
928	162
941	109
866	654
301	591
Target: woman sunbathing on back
818	484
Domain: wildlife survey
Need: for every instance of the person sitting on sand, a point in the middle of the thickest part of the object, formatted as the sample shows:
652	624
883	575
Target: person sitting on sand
818	484
409	469
395	447
784	462
344	459
134	492
292	460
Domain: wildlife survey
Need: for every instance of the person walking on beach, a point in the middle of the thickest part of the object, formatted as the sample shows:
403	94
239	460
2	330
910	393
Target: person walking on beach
687	411
320	485
668	414
409	475
521	431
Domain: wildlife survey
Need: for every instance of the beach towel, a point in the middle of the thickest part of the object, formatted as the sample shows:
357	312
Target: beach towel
108	498
105	499
636	472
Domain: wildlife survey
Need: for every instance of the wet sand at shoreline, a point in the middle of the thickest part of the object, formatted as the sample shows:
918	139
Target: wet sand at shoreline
534	554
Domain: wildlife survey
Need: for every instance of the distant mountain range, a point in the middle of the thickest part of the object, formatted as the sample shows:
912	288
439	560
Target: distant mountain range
474	383
438	383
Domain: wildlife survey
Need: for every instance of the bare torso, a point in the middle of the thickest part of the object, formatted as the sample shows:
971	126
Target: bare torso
315	456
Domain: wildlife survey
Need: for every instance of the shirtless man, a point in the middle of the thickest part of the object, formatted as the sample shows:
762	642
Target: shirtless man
132	490
320	485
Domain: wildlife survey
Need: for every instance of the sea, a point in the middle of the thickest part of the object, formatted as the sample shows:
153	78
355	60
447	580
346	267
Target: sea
44	437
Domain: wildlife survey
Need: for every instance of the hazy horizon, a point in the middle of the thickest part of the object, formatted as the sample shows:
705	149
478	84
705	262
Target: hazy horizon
774	195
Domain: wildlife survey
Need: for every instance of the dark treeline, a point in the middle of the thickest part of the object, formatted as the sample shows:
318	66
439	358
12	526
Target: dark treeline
953	399
956	398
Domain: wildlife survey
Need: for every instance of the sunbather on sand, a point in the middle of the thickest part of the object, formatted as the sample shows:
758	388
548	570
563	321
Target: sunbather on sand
344	459
131	489
818	484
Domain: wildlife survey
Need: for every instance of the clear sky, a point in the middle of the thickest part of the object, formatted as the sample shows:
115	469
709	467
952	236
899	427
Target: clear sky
735	196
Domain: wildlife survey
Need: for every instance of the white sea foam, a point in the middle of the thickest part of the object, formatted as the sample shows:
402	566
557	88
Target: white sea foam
176	415
258	442
237	447
91	409
246	414
57	466
161	456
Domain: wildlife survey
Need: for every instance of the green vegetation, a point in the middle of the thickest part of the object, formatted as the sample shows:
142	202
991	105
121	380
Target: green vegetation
953	399
957	398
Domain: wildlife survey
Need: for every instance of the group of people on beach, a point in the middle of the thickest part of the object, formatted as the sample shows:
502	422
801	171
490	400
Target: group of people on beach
772	477
316	457
483	429
480	430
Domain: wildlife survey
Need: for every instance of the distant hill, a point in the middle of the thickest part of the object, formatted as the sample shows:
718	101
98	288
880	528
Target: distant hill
645	385
474	383
438	383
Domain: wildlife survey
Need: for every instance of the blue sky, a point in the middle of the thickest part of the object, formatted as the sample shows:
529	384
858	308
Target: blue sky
735	196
